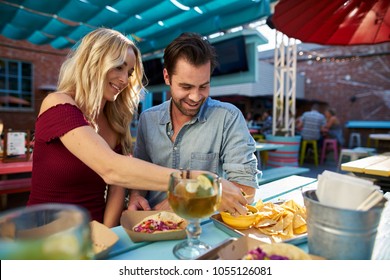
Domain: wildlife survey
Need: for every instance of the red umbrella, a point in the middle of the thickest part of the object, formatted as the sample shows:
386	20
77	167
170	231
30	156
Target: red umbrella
334	22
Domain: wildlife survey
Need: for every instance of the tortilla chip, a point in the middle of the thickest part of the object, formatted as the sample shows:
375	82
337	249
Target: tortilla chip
282	221
299	221
300	230
265	222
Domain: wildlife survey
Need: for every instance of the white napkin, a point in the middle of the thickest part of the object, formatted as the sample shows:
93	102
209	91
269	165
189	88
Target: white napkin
343	191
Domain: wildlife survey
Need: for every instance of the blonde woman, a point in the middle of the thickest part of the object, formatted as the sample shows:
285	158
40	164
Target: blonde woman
82	135
333	127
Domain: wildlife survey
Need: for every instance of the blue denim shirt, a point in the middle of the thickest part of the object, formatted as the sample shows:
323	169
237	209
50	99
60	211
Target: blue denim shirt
217	139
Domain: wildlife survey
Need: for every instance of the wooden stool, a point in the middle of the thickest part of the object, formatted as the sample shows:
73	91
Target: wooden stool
303	150
258	137
333	146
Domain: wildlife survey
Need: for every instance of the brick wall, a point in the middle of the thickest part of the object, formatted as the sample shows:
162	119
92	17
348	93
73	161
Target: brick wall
46	64
355	80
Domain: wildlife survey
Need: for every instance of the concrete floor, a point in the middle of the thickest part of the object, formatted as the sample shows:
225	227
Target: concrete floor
315	170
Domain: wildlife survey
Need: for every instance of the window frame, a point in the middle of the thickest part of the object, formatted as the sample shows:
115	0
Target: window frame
20	78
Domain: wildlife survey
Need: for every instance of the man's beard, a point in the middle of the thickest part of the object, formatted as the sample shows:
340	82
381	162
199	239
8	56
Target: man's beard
188	113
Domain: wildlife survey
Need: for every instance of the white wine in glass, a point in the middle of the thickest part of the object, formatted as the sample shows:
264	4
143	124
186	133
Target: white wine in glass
193	195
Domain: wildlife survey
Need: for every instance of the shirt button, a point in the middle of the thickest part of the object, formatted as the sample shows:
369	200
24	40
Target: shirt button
175	148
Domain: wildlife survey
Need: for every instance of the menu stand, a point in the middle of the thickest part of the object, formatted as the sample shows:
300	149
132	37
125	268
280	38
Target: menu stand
16	145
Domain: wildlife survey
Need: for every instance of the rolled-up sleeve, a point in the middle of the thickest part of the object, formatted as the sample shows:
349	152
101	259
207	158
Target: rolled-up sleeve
238	154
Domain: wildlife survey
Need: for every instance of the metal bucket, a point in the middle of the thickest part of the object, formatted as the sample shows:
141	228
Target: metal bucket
340	234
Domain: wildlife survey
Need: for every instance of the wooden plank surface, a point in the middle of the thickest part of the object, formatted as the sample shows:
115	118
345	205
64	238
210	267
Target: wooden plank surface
380	136
381	168
375	165
15	167
368	124
267	146
277	173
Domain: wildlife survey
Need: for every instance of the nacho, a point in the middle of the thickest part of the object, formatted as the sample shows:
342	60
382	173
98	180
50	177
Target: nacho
281	221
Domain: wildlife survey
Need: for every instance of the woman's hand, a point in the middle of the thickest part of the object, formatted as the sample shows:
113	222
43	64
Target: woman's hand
232	199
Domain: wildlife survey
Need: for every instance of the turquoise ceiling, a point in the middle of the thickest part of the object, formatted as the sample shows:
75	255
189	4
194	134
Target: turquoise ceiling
152	23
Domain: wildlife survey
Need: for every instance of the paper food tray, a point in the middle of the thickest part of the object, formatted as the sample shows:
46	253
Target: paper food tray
103	239
130	218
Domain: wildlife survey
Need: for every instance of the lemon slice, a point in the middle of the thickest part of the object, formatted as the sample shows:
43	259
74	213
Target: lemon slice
64	246
180	189
205	181
192	187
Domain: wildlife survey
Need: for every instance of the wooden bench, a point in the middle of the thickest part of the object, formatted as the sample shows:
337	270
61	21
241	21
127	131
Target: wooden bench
15	186
11	186
276	173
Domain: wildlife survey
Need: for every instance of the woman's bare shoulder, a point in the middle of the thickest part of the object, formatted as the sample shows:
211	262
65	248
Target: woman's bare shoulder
55	98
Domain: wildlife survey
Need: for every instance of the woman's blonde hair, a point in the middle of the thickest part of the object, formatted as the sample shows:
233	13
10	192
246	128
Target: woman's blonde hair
83	76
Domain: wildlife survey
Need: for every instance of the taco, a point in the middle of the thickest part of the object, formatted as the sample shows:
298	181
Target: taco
276	251
162	221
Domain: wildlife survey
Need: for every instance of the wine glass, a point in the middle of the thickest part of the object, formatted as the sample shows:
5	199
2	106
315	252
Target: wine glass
45	231
193	195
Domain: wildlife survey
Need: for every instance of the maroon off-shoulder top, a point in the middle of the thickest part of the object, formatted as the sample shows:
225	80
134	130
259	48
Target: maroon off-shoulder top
58	176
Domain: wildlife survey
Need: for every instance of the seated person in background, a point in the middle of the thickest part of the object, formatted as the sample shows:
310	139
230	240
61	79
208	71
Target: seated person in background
249	120
267	122
191	130
310	124
333	128
82	136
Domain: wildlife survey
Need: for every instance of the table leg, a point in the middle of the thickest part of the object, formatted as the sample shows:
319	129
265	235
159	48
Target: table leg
3	202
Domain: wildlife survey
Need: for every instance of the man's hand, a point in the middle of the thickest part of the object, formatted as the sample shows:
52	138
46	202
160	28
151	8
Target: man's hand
137	201
163	205
232	199
249	192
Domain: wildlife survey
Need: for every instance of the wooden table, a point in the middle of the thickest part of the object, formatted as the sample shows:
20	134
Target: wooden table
9	186
15	167
126	249
382	141
281	190
380	136
376	167
365	128
368	124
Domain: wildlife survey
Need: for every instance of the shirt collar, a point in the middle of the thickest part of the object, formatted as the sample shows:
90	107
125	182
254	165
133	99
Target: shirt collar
202	113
